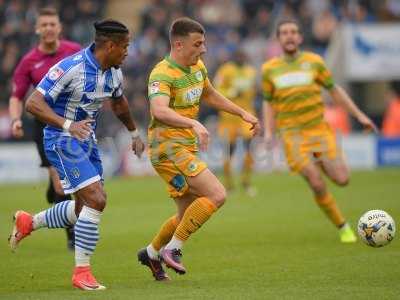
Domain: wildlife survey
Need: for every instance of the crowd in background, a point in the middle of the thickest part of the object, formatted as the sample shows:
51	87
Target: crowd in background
230	24
17	36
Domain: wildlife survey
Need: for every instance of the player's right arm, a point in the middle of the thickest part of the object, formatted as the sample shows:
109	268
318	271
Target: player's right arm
15	109
38	107
159	107
20	85
269	121
268	111
47	91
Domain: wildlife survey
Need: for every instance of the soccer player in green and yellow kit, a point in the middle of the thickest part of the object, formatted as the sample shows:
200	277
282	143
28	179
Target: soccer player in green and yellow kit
294	109
236	80
176	86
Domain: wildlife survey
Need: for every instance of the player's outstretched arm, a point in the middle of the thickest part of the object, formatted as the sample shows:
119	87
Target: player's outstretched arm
161	111
15	109
120	108
269	123
38	107
340	96
215	99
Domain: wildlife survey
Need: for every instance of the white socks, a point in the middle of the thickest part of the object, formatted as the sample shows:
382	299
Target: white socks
174	243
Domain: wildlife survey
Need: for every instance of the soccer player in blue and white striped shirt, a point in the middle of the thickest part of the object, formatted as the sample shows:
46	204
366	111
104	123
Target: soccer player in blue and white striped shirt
68	100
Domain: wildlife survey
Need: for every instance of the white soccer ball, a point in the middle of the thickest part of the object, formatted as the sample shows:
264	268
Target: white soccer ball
376	228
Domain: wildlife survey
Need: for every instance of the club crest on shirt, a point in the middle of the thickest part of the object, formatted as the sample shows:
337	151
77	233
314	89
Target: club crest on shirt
305	66
75	172
199	75
192	167
55	73
154	87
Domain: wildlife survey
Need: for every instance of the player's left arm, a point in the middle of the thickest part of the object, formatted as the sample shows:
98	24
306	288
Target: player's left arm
120	107
340	96
216	100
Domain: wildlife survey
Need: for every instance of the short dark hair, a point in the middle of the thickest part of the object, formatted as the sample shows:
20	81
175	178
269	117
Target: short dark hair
109	29
183	27
287	21
48	11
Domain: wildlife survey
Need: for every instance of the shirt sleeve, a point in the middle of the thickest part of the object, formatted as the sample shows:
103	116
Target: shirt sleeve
324	76
159	84
55	81
21	80
266	85
118	92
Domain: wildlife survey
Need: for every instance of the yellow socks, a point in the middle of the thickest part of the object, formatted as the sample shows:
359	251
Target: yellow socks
228	175
195	215
328	205
247	169
165	234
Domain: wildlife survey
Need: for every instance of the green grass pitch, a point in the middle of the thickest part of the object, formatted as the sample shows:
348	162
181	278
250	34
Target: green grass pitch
277	245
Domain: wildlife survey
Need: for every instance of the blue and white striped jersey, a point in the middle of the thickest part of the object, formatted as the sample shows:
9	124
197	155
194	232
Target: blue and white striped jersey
76	87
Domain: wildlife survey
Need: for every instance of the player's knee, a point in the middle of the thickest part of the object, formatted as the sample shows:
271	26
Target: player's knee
102	200
219	196
96	198
342	180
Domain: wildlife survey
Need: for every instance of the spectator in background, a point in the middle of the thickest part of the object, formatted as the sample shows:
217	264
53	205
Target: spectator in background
228	24
338	118
391	121
17	36
323	26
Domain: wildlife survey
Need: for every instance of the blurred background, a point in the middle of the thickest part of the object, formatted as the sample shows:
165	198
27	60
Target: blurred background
359	40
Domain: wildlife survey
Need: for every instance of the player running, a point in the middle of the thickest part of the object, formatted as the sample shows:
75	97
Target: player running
236	80
176	86
30	70
294	109
68	100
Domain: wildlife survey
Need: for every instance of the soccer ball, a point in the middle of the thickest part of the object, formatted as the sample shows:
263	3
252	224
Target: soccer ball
376	228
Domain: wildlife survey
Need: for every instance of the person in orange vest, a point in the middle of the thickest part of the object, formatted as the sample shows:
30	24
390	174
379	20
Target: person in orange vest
391	120
338	118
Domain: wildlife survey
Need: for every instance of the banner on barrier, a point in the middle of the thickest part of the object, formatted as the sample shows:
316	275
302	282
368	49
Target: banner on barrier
388	152
372	51
20	162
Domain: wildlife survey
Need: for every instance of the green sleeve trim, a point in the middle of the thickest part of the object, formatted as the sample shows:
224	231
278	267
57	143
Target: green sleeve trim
329	84
158	94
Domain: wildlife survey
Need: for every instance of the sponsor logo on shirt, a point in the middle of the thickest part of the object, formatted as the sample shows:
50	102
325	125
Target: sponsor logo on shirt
55	73
293	79
193	95
77	57
154	87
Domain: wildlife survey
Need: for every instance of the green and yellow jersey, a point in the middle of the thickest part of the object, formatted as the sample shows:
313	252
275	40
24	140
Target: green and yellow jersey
238	84
184	87
293	88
